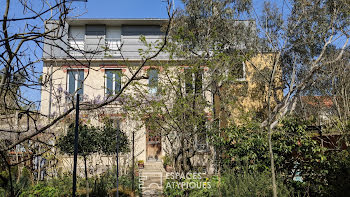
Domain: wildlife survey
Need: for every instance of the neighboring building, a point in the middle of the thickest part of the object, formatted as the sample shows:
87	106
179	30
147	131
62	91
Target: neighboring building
319	108
93	58
248	94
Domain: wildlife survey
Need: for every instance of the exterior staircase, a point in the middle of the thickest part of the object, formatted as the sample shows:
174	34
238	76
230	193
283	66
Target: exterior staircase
152	179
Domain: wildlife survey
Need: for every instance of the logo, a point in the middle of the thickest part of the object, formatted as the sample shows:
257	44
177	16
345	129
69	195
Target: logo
151	180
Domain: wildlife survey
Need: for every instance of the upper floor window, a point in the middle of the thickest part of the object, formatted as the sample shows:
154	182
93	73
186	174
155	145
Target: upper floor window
113	41
95	38
153	81
76	41
113	81
98	40
76	82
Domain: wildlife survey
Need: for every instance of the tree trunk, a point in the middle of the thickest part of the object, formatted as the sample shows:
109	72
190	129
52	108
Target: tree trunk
274	186
133	162
12	193
86	177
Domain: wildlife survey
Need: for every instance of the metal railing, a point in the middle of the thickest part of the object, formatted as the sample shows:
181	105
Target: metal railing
76	47
112	46
108	47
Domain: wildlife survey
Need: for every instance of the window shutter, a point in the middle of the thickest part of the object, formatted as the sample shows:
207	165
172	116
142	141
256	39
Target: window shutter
95	38
95	30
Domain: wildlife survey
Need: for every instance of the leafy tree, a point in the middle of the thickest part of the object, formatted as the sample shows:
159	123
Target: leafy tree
88	143
108	140
179	111
296	152
92	140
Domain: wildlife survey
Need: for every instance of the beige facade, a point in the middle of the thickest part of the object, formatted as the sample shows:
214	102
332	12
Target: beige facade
94	91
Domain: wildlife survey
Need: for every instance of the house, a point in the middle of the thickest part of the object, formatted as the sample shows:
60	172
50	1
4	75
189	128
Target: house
95	58
321	108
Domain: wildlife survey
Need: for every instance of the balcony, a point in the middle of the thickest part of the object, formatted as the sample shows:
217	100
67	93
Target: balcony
95	48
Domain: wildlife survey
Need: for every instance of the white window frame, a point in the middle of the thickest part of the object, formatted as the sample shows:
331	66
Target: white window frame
113	87
194	80
76	77
242	79
151	91
206	149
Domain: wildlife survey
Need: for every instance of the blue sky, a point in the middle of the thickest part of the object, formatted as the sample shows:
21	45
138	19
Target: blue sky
124	8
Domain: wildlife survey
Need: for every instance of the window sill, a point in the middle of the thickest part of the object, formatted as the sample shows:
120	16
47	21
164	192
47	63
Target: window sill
203	151
241	80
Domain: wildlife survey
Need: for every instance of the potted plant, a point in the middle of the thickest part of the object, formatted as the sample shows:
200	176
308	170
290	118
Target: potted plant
167	163
141	164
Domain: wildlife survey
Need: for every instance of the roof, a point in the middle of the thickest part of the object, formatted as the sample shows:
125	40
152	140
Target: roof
318	101
117	21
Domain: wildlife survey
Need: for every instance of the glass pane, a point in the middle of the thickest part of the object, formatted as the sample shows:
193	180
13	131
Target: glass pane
80	83
153	81
117	80
113	81
71	81
199	81
188	81
109	82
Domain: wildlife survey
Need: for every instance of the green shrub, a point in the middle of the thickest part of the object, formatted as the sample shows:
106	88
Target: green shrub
61	186
229	184
43	190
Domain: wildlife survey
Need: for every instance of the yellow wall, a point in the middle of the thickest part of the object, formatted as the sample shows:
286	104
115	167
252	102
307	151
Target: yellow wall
244	100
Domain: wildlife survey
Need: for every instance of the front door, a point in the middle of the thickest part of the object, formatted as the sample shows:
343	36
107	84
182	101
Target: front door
153	146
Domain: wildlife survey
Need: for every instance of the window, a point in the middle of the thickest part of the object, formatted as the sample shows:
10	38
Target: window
193	81
113	123
76	40
113	81
113	41
95	30
188	81
239	72
153	81
201	137
76	82
95	38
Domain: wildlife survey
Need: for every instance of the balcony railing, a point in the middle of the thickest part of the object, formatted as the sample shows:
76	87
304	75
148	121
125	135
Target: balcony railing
105	47
113	47
76	47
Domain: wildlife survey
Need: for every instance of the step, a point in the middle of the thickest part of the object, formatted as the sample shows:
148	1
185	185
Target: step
152	178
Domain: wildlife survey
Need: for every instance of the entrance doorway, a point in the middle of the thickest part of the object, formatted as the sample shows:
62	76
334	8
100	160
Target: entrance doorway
153	145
